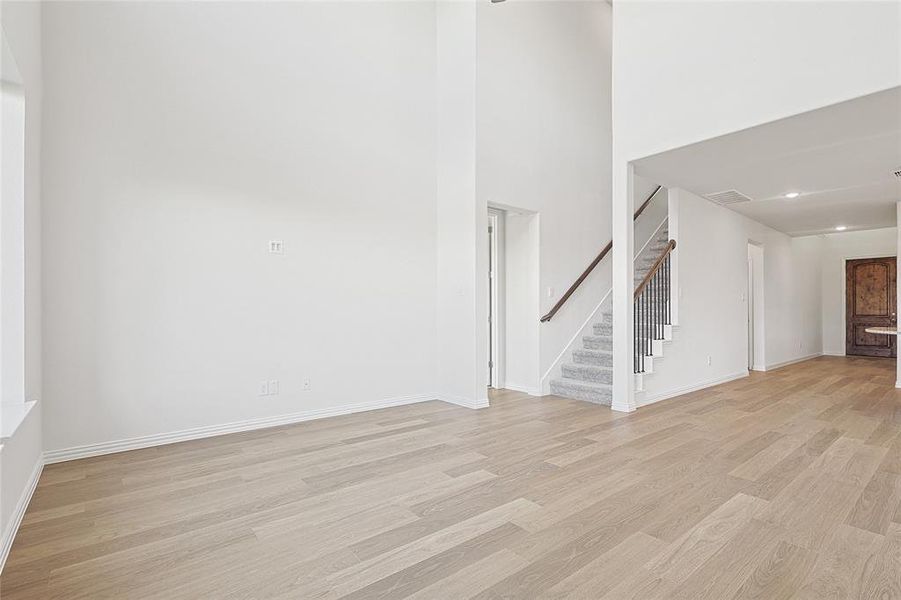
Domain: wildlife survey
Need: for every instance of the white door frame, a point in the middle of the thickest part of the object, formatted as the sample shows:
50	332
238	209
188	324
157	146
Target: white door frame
756	299
496	294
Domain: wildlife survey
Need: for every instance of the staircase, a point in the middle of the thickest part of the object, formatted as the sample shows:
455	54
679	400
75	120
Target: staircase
589	376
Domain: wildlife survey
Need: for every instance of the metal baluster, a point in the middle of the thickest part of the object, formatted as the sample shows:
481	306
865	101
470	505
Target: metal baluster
634	321
657	305
668	295
641	331
647	325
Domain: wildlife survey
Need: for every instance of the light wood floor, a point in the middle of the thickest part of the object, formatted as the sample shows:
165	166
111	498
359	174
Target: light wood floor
782	485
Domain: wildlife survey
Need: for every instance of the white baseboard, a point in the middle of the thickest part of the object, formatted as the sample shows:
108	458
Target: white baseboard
461	401
652	398
622	407
522	388
6	542
793	361
160	439
898	384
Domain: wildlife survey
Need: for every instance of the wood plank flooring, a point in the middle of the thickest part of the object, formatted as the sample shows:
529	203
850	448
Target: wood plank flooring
782	485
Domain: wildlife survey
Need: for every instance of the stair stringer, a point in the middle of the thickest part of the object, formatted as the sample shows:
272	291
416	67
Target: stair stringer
575	343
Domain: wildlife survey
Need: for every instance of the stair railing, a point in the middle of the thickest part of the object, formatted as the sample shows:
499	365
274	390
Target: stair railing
651	308
606	250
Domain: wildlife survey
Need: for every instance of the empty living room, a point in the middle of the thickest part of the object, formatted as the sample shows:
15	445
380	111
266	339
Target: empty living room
450	299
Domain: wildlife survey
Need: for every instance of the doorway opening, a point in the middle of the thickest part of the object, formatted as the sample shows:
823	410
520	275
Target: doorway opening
513	300
870	302
755	300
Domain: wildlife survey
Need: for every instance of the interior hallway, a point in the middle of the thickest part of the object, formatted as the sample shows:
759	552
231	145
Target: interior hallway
783	485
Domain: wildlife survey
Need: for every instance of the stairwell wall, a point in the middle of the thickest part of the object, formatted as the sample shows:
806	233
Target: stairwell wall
712	289
544	142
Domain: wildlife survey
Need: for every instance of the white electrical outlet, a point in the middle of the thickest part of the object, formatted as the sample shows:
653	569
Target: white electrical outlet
708	361
276	247
306	385
263	389
273	387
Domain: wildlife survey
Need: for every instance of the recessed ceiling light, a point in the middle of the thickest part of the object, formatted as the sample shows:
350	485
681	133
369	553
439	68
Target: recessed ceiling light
793	194
841	227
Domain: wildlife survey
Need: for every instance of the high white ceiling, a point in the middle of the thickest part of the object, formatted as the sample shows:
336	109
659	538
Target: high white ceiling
840	158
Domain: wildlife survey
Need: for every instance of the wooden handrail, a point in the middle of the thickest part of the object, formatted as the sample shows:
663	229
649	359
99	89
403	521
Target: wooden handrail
578	282
594	263
650	274
644	204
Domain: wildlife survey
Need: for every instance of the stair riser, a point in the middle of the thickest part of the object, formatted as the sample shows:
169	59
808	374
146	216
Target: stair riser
603	328
584	357
594	343
597	397
591	374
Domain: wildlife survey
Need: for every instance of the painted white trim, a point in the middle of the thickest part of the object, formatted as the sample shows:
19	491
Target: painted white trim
786	363
834	354
672	215
652	398
544	384
464	402
13	414
499	299
160	439
522	388
6	542
898	384
623	406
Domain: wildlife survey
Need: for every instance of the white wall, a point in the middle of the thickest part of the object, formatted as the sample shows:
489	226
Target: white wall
174	154
648	223
837	248
713	297
21	23
462	217
708	62
179	138
12	247
543	122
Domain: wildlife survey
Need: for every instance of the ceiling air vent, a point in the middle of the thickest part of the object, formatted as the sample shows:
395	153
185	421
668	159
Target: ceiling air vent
728	197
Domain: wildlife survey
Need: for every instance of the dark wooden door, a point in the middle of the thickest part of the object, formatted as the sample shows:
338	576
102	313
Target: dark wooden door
870	302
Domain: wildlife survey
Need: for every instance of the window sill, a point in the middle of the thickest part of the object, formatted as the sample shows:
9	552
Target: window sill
12	414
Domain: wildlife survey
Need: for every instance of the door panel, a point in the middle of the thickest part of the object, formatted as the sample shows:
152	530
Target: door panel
870	302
